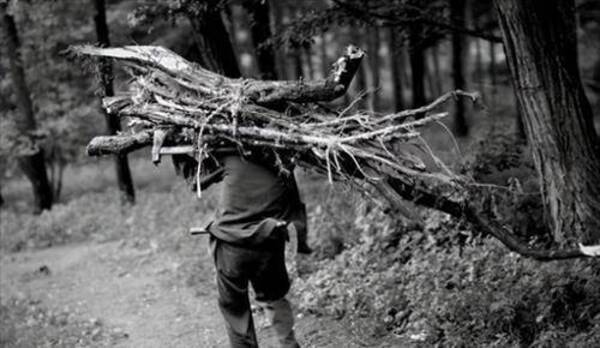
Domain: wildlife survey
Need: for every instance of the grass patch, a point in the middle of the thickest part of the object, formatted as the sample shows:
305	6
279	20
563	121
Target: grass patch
165	209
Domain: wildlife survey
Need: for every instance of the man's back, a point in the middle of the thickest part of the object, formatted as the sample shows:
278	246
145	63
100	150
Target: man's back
255	199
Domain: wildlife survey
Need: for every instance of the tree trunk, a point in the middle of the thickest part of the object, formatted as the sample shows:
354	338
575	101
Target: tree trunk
492	73
457	13
435	55
478	63
214	43
373	43
33	166
520	125
307	54
396	69
261	31
366	75
297	62
417	64
237	24
113	124
430	73
278	15
541	49
323	55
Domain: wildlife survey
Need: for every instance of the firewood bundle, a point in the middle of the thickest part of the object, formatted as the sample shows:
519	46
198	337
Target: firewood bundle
178	107
181	109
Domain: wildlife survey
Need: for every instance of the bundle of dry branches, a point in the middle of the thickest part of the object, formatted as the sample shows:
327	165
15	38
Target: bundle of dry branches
179	102
178	107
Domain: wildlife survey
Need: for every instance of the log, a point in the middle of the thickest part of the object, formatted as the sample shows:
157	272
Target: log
118	144
260	92
334	86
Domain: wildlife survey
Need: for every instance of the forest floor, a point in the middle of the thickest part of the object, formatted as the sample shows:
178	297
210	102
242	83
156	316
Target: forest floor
127	293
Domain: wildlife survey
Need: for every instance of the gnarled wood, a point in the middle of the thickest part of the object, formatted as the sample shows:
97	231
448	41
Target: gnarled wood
260	92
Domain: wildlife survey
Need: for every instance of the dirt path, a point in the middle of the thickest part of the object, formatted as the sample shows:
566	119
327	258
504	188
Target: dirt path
139	293
130	289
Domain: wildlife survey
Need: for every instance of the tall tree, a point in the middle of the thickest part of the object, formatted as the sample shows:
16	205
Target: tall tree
492	72
373	43
294	51
416	55
541	48
32	164
457	13
212	37
277	14
307	55
323	55
435	57
261	32
396	69
113	123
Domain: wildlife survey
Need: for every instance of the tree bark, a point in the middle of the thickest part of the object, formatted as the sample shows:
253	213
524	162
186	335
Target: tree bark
457	12
261	31
33	166
541	49
113	123
396	69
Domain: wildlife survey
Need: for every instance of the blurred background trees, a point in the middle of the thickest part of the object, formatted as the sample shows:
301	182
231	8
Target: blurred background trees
29	155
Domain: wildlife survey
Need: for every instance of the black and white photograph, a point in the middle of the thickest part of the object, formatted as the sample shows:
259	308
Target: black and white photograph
300	173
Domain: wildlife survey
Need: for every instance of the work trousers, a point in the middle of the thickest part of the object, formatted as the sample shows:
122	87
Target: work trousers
264	267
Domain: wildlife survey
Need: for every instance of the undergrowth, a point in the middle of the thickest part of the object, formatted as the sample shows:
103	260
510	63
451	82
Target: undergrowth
471	294
442	284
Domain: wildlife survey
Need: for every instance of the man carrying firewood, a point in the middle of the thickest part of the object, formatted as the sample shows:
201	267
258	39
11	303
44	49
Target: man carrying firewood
259	203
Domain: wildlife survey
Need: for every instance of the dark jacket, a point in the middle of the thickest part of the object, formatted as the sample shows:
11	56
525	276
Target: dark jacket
256	198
